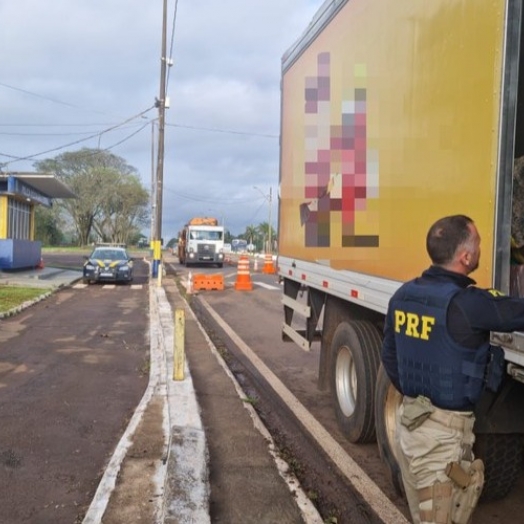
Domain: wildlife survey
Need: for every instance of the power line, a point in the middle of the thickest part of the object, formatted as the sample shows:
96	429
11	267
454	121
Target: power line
181	126
99	135
54	100
212	200
172	40
229	131
45	134
58	125
36	95
127	137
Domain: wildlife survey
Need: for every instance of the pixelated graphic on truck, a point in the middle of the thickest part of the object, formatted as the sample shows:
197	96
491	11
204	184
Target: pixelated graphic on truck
339	174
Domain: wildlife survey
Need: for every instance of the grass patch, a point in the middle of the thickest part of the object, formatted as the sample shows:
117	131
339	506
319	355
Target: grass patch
14	296
67	249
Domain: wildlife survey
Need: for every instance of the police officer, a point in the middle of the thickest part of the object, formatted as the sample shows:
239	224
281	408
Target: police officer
436	352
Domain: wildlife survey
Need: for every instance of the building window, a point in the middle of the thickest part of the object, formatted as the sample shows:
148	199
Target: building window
18	220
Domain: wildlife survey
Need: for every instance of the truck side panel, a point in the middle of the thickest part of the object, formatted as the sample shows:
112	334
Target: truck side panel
374	148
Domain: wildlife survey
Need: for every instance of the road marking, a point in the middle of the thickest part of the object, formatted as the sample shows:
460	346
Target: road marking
371	493
266	286
107	286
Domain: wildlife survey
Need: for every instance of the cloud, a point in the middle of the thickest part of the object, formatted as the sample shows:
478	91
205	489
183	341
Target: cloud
71	69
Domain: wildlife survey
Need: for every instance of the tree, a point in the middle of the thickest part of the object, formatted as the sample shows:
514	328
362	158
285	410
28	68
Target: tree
48	227
228	236
110	199
123	210
264	229
251	234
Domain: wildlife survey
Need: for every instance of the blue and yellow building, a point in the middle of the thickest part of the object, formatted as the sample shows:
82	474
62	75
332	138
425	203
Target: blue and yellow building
20	193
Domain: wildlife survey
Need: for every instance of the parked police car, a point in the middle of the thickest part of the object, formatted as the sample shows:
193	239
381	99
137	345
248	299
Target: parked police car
108	263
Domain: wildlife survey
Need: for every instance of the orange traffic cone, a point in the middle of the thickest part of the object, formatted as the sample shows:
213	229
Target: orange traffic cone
243	282
268	264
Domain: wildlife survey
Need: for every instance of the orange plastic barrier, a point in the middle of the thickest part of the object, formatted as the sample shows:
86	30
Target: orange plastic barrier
208	282
243	282
268	264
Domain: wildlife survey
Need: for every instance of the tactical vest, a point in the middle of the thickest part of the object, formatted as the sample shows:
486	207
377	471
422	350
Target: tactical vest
430	362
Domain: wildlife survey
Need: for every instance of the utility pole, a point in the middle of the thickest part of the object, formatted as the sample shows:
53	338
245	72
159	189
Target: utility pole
153	185
269	198
161	104
270	245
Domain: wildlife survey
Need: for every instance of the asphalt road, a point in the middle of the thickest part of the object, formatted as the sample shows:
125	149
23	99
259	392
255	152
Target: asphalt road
72	370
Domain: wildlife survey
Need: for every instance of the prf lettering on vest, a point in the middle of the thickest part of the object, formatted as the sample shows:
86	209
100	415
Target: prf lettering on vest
413	325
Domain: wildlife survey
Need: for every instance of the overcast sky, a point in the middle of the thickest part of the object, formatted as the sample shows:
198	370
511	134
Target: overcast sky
71	69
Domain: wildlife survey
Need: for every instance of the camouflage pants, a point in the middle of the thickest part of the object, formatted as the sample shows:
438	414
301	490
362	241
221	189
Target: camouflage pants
424	452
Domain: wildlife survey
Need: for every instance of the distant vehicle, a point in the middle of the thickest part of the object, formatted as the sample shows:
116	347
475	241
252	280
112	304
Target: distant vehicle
201	242
239	245
108	263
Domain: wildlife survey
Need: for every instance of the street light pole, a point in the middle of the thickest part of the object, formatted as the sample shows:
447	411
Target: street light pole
270	245
161	104
269	199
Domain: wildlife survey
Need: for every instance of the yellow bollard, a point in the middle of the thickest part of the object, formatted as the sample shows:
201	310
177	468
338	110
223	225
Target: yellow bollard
178	352
159	276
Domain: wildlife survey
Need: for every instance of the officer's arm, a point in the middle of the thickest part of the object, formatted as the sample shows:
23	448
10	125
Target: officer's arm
491	310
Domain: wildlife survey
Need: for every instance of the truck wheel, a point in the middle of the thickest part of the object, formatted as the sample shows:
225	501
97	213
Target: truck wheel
387	400
356	357
502	456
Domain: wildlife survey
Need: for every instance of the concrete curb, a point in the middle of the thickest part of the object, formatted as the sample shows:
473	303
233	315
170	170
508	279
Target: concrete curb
182	481
186	487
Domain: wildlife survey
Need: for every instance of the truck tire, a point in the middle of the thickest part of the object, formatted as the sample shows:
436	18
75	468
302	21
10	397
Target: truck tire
387	400
502	456
355	360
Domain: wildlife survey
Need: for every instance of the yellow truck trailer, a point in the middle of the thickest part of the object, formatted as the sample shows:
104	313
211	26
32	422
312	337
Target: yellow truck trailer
394	114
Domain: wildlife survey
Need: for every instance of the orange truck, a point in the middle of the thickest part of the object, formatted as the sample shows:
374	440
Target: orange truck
201	241
395	114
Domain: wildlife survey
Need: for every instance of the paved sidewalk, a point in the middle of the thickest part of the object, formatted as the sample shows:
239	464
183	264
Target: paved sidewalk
47	277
